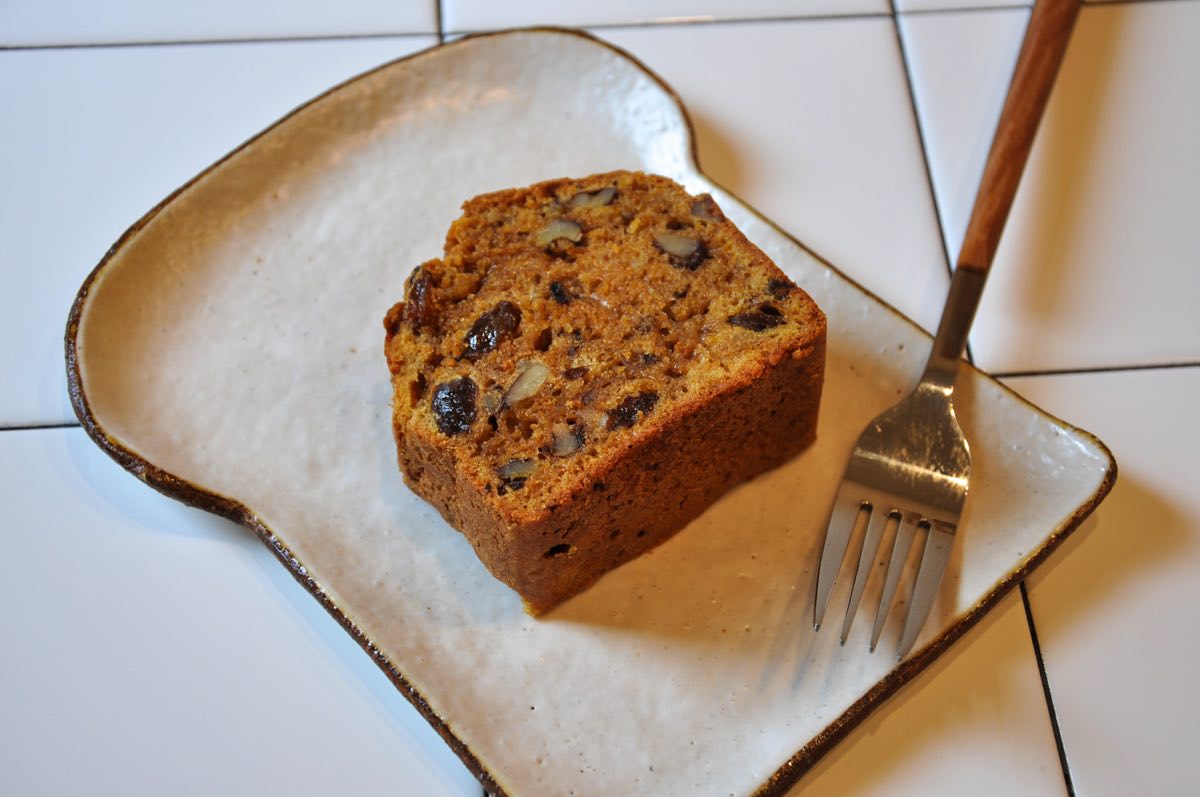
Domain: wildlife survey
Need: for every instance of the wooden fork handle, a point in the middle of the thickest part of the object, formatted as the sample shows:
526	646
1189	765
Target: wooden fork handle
1046	39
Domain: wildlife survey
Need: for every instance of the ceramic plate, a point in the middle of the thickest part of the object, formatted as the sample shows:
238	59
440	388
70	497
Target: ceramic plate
228	351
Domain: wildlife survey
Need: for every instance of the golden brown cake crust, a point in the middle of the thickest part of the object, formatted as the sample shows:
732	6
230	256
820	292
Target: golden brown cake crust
590	364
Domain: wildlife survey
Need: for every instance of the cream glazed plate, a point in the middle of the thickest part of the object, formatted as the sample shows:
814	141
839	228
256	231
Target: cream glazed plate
228	351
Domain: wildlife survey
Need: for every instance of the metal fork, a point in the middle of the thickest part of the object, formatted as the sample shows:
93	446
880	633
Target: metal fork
911	467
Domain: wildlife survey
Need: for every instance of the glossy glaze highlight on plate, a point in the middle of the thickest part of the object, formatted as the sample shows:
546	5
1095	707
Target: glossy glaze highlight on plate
228	351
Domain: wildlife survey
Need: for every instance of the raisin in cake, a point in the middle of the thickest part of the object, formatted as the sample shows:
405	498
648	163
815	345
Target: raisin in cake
589	365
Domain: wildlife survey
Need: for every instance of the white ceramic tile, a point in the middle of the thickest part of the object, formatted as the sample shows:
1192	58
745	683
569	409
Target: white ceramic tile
950	5
469	15
1098	263
165	651
95	138
961	66
975	723
1117	609
811	123
54	22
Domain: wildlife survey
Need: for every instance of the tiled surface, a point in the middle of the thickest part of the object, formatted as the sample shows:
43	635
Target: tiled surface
961	64
1117	613
95	138
121	649
472	15
1097	267
935	6
25	23
975	723
165	651
904	6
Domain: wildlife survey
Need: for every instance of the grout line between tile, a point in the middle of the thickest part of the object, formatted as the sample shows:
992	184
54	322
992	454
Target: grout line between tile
916	112
696	21
188	42
1102	3
933	12
1099	369
26	427
441	33
1041	664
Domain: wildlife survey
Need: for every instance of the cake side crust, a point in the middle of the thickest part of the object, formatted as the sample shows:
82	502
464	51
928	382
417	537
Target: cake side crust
646	494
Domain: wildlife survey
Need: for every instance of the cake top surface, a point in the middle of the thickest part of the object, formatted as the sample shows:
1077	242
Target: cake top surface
570	318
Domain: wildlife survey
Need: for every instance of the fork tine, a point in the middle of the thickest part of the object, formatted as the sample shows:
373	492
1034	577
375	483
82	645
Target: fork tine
842	521
929	576
866	561
900	548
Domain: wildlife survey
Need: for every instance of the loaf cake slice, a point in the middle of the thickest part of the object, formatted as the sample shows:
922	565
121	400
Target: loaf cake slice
590	364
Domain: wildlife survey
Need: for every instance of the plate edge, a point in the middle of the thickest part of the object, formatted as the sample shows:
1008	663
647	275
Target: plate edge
790	772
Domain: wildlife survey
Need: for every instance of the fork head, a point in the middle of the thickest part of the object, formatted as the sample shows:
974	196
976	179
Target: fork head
907	476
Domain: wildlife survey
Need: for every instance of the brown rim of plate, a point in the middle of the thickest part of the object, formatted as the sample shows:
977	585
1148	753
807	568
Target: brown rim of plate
192	495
